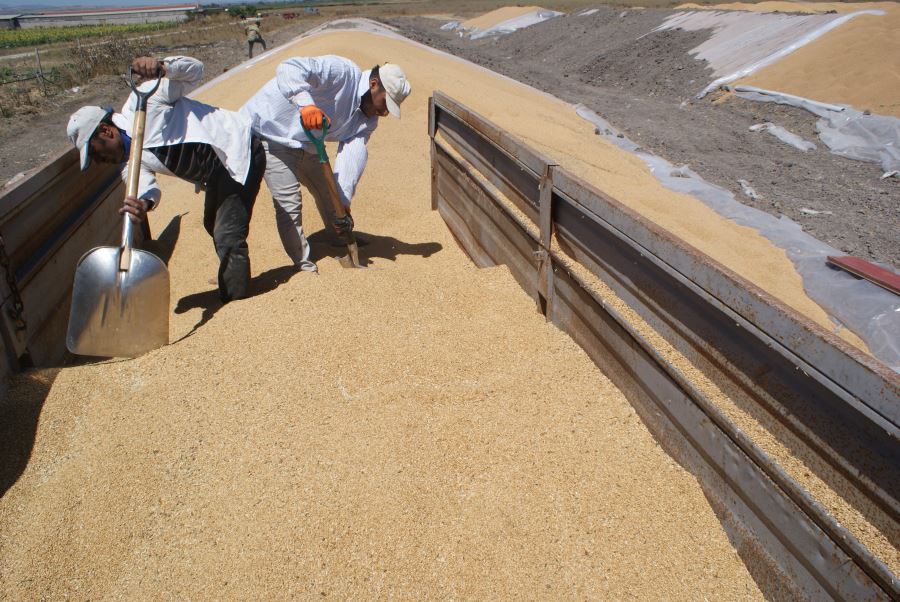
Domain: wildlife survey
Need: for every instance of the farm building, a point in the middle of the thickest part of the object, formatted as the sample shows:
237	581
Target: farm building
108	16
9	21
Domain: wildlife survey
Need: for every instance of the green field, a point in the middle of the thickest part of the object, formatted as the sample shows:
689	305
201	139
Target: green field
15	38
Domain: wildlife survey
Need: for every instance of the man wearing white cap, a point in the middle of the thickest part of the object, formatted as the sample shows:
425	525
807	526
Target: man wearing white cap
305	92
210	147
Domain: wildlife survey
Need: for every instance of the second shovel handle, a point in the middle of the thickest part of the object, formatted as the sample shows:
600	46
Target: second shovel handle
327	172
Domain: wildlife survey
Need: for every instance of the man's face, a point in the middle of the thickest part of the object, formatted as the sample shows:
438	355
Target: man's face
378	104
106	145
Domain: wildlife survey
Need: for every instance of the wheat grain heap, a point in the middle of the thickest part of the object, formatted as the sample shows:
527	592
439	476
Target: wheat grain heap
415	430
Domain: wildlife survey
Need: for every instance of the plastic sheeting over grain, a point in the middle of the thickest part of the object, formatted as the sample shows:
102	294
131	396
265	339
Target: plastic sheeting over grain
743	43
856	64
502	21
865	308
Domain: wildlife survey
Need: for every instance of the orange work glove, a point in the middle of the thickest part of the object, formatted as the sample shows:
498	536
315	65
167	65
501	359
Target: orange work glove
312	117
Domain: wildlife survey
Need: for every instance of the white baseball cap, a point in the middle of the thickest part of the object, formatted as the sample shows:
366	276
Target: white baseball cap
82	125
394	81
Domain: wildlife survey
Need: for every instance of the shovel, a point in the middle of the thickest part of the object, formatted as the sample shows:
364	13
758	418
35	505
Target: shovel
120	299
352	258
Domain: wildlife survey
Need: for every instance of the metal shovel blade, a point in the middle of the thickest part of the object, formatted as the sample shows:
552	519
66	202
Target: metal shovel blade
118	313
351	259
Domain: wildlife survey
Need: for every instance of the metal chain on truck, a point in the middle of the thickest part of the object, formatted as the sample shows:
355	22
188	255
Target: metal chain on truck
16	311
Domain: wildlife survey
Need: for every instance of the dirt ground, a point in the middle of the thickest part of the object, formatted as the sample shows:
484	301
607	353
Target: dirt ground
645	87
26	141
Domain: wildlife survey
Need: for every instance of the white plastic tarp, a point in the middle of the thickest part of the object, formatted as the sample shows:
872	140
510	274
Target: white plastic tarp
743	42
844	130
869	311
784	135
520	22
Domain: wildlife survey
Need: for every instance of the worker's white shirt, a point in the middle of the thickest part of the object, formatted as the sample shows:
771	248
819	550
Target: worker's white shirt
335	85
174	119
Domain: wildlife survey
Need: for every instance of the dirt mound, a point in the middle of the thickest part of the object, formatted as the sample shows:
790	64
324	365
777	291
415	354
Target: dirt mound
652	66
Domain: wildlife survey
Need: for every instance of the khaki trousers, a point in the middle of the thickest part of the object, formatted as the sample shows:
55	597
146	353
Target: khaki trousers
286	169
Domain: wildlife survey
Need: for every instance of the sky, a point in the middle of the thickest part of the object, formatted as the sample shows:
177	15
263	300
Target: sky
93	2
48	4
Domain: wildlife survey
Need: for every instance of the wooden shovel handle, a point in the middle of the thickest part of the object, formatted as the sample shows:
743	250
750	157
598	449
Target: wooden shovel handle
134	163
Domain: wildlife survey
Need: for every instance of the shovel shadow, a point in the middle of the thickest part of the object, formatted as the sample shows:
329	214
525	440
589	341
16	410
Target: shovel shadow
371	246
164	244
210	302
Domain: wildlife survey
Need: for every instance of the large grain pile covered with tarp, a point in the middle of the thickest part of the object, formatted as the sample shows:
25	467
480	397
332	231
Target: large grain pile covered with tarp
504	20
413	430
857	63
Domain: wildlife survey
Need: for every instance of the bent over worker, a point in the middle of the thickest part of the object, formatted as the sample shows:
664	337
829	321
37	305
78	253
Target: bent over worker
210	147
308	91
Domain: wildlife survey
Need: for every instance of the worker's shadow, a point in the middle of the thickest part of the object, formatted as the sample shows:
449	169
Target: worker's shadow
20	411
210	302
371	246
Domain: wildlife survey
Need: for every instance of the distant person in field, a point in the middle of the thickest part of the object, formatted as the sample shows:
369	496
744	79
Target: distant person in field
309	92
254	36
210	147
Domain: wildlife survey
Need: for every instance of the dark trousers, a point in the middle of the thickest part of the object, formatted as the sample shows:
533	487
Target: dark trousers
226	216
250	44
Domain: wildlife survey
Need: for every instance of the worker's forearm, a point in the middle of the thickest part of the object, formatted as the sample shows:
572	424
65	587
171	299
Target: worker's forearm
349	165
296	78
183	69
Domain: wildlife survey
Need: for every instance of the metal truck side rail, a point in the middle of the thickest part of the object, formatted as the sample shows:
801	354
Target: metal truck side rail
48	220
838	401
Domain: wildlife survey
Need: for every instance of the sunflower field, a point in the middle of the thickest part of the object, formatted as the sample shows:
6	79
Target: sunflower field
15	38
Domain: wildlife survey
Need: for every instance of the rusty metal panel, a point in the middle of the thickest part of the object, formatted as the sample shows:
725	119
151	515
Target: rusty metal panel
47	291
827	423
29	222
846	371
431	130
48	220
515	181
523	154
447	197
499	236
817	560
23	191
656	280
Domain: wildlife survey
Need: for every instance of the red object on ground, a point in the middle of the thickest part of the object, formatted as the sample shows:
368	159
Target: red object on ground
869	271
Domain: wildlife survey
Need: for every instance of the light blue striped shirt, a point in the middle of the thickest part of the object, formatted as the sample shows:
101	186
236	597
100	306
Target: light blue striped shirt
335	85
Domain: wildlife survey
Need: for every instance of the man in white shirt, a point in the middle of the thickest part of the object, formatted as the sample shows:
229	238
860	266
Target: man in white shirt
205	145
306	91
